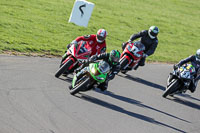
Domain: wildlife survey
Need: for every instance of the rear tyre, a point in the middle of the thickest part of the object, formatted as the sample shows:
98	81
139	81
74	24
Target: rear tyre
173	87
82	85
63	68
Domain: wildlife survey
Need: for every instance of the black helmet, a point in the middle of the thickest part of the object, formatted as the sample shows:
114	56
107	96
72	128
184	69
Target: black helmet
153	32
114	57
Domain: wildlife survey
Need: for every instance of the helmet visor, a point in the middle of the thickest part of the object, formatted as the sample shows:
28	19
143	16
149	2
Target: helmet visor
153	34
198	56
104	67
115	59
101	38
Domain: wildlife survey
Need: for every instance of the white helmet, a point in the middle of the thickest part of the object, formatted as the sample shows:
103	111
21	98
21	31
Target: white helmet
101	35
153	32
198	55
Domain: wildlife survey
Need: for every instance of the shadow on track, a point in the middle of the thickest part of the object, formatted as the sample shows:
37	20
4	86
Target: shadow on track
138	103
189	97
145	82
185	102
121	110
67	79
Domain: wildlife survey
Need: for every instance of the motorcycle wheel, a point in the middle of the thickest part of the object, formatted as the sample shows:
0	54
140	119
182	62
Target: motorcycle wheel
173	87
123	63
82	85
63	68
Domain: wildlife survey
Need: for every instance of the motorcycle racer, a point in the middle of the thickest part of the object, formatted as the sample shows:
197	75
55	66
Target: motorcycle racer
131	56
150	41
94	45
195	61
111	58
97	42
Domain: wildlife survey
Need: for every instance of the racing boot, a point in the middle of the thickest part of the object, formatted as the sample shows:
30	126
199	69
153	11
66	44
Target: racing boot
141	63
192	87
103	86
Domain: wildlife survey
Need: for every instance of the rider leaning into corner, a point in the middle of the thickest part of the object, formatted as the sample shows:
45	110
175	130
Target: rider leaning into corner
111	58
97	42
150	41
195	61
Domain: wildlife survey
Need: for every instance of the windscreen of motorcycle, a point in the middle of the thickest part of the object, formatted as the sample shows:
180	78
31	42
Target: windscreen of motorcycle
104	67
139	45
83	47
190	68
186	71
135	51
185	74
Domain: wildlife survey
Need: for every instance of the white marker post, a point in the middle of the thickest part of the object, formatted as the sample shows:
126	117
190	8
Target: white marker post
81	12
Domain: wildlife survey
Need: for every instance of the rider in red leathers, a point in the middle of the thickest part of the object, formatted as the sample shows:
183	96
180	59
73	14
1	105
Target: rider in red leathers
96	45
97	42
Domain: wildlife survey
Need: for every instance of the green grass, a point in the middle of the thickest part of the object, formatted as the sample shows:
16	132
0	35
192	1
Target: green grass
41	26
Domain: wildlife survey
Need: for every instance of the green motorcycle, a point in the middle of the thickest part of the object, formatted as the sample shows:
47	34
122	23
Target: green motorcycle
94	74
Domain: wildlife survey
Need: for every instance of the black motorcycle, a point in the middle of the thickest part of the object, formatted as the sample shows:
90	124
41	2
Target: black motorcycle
179	80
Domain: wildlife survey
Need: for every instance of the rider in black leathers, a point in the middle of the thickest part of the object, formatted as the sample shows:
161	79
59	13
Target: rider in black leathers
111	58
195	61
150	41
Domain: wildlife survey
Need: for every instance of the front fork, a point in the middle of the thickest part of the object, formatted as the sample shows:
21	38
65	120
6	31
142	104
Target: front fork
129	61
169	79
184	87
63	58
81	73
78	76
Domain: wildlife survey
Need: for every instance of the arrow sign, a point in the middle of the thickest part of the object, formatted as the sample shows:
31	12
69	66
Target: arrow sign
81	12
80	8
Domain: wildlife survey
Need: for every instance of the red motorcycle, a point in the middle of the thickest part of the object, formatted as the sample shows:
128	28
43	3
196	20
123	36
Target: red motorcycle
131	55
74	57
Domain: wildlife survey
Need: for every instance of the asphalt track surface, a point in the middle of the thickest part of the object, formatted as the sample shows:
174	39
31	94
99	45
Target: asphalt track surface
32	100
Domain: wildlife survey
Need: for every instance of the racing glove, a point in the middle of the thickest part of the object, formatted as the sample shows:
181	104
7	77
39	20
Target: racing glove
73	42
92	58
129	41
176	66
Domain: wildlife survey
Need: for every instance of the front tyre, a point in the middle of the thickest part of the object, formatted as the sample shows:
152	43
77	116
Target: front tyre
173	87
82	85
63	68
123	63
